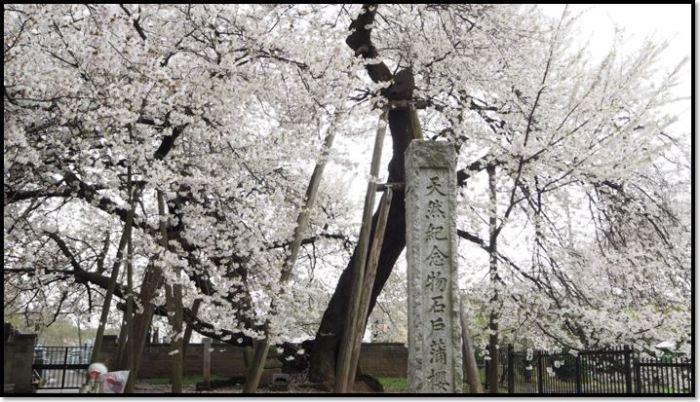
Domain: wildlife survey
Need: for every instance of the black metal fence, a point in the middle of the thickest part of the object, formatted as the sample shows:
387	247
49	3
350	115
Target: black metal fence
59	367
611	371
666	376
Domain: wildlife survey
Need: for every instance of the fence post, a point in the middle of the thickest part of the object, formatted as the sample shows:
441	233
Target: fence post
206	361
511	370
638	375
578	373
540	383
65	368
628	369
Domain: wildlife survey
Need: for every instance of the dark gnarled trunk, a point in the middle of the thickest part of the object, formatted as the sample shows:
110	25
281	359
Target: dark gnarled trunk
328	337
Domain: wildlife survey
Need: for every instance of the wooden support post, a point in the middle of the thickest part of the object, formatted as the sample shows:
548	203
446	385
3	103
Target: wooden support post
257	365
344	364
492	373
394	186
118	356
188	327
206	362
511	369
176	341
173	296
366	295
108	296
416	129
126	234
128	348
471	369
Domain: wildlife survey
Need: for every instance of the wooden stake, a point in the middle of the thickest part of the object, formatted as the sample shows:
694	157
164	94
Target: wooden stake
492	372
257	366
126	233
366	296
119	352
188	327
173	296
472	370
129	345
344	363
206	362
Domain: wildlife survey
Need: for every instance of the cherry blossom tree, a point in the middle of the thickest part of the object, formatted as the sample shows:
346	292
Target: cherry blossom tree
201	104
223	109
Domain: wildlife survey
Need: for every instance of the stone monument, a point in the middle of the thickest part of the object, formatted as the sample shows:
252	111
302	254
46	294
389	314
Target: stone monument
434	333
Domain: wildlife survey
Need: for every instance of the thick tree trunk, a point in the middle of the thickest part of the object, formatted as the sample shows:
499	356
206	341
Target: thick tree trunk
142	321
152	280
327	339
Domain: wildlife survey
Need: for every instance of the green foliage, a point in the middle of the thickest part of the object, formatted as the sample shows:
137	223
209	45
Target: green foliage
394	384
189	380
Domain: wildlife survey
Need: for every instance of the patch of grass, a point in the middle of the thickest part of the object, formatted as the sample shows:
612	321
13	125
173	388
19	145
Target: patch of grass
156	381
400	384
394	384
189	380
